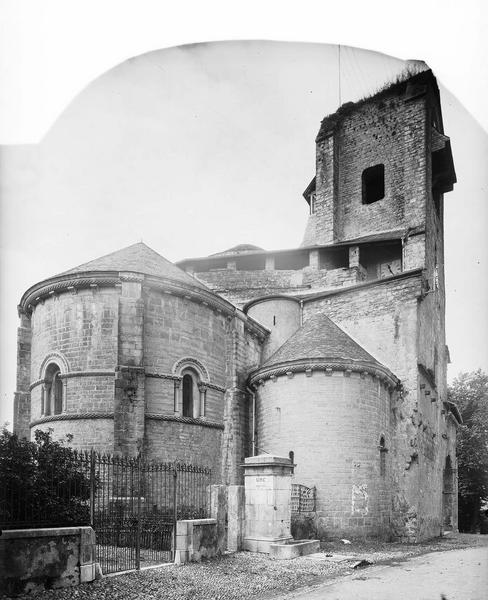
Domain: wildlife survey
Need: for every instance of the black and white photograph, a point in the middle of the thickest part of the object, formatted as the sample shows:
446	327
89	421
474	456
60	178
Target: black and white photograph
243	301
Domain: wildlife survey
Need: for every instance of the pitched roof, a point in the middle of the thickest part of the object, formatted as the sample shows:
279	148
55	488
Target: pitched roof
138	258
319	337
239	249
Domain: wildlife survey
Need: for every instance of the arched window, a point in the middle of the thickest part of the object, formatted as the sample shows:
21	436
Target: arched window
188	385
190	388
53	397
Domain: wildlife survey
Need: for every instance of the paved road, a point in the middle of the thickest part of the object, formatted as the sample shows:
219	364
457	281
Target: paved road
454	575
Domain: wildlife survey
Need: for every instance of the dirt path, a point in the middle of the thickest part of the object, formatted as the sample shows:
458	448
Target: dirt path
450	575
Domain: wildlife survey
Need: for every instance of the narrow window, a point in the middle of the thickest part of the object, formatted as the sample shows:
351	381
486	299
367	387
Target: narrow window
58	393
383	452
373	184
187	395
53	397
313	197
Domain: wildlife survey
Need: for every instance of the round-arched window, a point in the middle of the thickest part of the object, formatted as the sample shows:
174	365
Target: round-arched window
188	395
53	399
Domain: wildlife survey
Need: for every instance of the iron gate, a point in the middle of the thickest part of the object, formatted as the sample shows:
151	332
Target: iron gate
134	507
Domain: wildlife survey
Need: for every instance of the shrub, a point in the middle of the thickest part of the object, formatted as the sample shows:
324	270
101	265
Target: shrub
43	483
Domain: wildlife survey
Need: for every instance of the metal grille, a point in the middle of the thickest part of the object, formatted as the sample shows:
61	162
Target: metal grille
136	506
302	498
132	505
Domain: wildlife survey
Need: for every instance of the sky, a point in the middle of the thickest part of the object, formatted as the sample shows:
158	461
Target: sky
196	149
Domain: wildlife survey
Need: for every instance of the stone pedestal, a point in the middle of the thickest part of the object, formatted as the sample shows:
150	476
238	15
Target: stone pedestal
267	481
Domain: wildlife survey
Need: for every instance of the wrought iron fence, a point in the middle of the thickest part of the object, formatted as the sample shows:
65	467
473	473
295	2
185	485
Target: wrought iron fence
47	493
302	498
132	505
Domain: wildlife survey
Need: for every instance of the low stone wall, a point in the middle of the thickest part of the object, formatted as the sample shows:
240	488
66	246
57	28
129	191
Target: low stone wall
35	559
196	539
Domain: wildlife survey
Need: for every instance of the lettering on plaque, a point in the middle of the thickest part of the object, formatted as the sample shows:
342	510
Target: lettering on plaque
263	481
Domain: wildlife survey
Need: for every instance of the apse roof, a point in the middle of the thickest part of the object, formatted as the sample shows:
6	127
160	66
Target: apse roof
137	258
319	337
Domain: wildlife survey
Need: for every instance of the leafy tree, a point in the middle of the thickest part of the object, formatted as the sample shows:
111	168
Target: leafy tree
43	482
470	392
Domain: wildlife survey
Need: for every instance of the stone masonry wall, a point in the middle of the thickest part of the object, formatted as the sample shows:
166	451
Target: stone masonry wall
79	333
333	424
383	318
243	353
437	437
241	286
197	444
88	434
176	328
389	132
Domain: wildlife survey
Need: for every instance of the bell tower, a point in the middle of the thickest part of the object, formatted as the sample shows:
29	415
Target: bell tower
382	165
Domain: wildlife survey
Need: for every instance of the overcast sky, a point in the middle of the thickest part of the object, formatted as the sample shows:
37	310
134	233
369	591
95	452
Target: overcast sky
199	148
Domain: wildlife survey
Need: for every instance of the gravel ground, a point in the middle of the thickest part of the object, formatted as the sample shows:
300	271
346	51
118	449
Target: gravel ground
243	575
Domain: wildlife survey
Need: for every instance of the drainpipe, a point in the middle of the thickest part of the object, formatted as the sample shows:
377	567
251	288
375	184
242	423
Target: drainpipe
253	438
301	313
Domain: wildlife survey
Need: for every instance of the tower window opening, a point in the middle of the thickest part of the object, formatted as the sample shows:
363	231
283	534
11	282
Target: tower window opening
373	184
313	198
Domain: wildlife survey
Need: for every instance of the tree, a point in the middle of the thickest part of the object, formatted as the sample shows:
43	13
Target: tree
43	482
470	392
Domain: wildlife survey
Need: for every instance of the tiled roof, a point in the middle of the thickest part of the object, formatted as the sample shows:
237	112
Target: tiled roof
319	337
138	258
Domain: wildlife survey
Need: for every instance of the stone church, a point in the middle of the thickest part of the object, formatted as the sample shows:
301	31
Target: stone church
334	351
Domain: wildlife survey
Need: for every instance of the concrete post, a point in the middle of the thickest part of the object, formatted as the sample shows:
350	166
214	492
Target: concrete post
235	518
218	511
268	501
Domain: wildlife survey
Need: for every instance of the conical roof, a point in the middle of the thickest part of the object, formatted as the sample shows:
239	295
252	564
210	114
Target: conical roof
320	337
138	258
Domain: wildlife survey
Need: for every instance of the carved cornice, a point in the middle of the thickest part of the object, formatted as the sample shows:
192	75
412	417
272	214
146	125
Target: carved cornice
72	374
72	417
187	420
214	386
164	376
66	283
326	365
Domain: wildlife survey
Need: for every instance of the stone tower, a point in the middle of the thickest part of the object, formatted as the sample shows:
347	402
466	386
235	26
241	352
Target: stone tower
334	350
